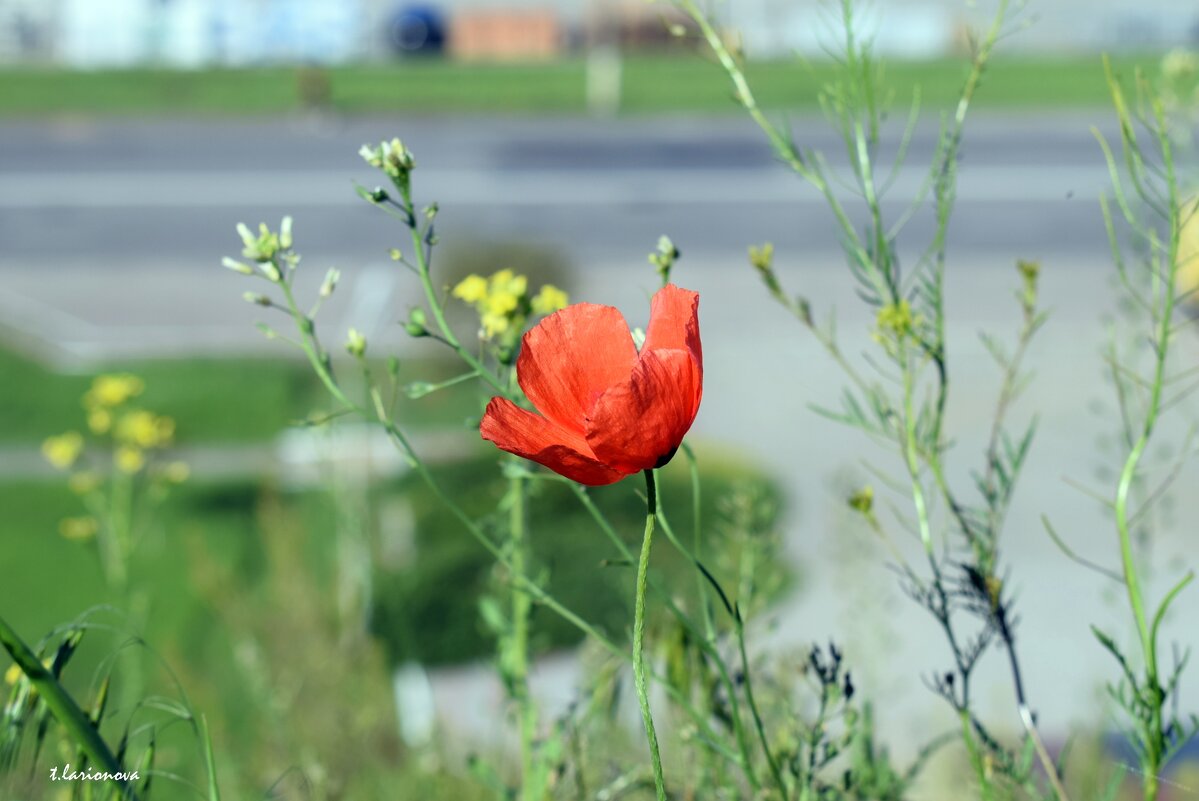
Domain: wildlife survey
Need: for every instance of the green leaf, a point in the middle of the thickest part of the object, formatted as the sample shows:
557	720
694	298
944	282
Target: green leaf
1107	642
63	707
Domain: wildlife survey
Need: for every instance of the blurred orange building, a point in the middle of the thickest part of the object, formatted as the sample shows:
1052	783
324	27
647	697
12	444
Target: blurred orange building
512	34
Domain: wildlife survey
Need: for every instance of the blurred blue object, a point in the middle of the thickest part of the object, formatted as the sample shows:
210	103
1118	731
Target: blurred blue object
417	29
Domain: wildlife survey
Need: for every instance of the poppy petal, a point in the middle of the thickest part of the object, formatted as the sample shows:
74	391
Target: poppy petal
674	322
639	423
533	437
569	359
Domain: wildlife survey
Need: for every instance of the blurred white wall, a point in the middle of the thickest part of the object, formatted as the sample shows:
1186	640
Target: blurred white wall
926	28
97	33
779	27
191	33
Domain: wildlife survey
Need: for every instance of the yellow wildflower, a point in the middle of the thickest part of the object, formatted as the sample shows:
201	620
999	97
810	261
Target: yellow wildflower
128	459
863	500
549	300
63	450
177	472
78	529
495	324
897	319
83	482
113	389
507	282
99	420
501	302
144	429
505	290
12	675
136	428
471	289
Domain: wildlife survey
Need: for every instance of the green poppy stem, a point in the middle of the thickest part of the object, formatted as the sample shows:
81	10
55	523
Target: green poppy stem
639	673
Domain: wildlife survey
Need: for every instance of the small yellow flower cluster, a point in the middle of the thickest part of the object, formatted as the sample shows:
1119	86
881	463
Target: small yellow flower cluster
145	430
503	302
134	431
897	321
896	324
106	394
129	431
12	675
897	318
549	300
78	528
63	450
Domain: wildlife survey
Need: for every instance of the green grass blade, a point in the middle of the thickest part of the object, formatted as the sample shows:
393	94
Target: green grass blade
63	707
214	791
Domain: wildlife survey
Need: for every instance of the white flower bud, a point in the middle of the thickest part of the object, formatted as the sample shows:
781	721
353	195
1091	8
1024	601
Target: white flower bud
270	271
355	342
237	266
330	283
285	233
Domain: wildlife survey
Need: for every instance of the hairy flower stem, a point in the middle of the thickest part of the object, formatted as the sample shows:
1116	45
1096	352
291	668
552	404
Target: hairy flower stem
707	644
422	245
521	607
639	674
120	533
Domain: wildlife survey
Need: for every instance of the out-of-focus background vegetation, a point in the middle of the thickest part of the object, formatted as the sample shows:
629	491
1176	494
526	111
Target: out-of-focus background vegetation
113	117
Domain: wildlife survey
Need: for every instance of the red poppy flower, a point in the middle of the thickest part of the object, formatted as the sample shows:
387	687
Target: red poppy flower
607	411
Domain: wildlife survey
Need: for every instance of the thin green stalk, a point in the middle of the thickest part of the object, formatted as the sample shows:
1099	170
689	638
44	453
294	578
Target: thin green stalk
701	588
775	773
977	760
536	592
639	675
316	357
1155	739
944	194
521	608
911	453
214	790
120	533
426	281
707	645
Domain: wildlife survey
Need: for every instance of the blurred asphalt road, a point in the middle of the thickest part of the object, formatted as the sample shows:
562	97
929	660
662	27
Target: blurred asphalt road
140	212
111	235
170	192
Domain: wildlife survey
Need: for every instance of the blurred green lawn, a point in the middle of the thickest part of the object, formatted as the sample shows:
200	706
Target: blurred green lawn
217	402
211	528
212	400
687	83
